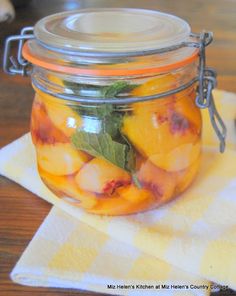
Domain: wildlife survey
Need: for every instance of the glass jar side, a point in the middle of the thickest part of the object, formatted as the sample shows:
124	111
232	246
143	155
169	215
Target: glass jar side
87	86
118	159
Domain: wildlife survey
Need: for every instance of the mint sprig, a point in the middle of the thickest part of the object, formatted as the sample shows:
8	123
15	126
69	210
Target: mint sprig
108	143
102	145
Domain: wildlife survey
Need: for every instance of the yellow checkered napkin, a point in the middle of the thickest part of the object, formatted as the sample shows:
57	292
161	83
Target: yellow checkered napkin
189	241
68	253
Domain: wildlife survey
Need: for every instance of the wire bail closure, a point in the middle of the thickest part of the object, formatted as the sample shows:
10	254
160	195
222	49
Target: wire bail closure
206	83
19	65
206	78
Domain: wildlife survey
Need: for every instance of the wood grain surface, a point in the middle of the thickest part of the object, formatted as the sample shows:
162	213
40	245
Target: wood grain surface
21	211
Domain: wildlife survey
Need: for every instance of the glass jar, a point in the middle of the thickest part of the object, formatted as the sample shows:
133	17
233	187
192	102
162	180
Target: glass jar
115	121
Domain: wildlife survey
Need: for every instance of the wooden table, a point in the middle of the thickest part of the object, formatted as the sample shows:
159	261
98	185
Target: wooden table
21	211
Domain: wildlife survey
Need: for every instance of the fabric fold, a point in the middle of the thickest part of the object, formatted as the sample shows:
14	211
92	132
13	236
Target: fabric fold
71	254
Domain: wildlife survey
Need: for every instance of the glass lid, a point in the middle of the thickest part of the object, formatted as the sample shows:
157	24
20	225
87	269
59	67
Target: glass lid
111	30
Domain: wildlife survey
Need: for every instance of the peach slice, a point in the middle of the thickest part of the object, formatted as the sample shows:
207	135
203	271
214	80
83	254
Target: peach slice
60	159
158	181
152	134
43	131
185	105
159	126
127	200
177	159
133	194
157	130
62	116
66	185
111	206
141	131
101	176
156	85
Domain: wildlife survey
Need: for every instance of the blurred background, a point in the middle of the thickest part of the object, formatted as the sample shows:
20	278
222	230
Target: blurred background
218	16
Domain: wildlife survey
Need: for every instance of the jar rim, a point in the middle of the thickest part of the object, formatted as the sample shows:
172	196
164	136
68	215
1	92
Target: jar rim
111	42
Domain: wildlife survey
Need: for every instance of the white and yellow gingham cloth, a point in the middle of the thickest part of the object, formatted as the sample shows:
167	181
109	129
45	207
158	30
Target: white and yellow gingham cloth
191	241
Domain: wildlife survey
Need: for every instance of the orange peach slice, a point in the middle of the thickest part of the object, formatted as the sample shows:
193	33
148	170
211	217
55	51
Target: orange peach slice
60	159
66	186
142	133
133	194
186	106
158	181
126	200
62	116
159	126
43	131
177	159
111	206
158	131
101	176
156	85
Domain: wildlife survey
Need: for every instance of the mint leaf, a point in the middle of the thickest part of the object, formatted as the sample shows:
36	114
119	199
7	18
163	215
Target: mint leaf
112	125
102	145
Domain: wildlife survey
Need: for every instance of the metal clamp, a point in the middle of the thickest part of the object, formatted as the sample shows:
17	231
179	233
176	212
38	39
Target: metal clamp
206	83
14	66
